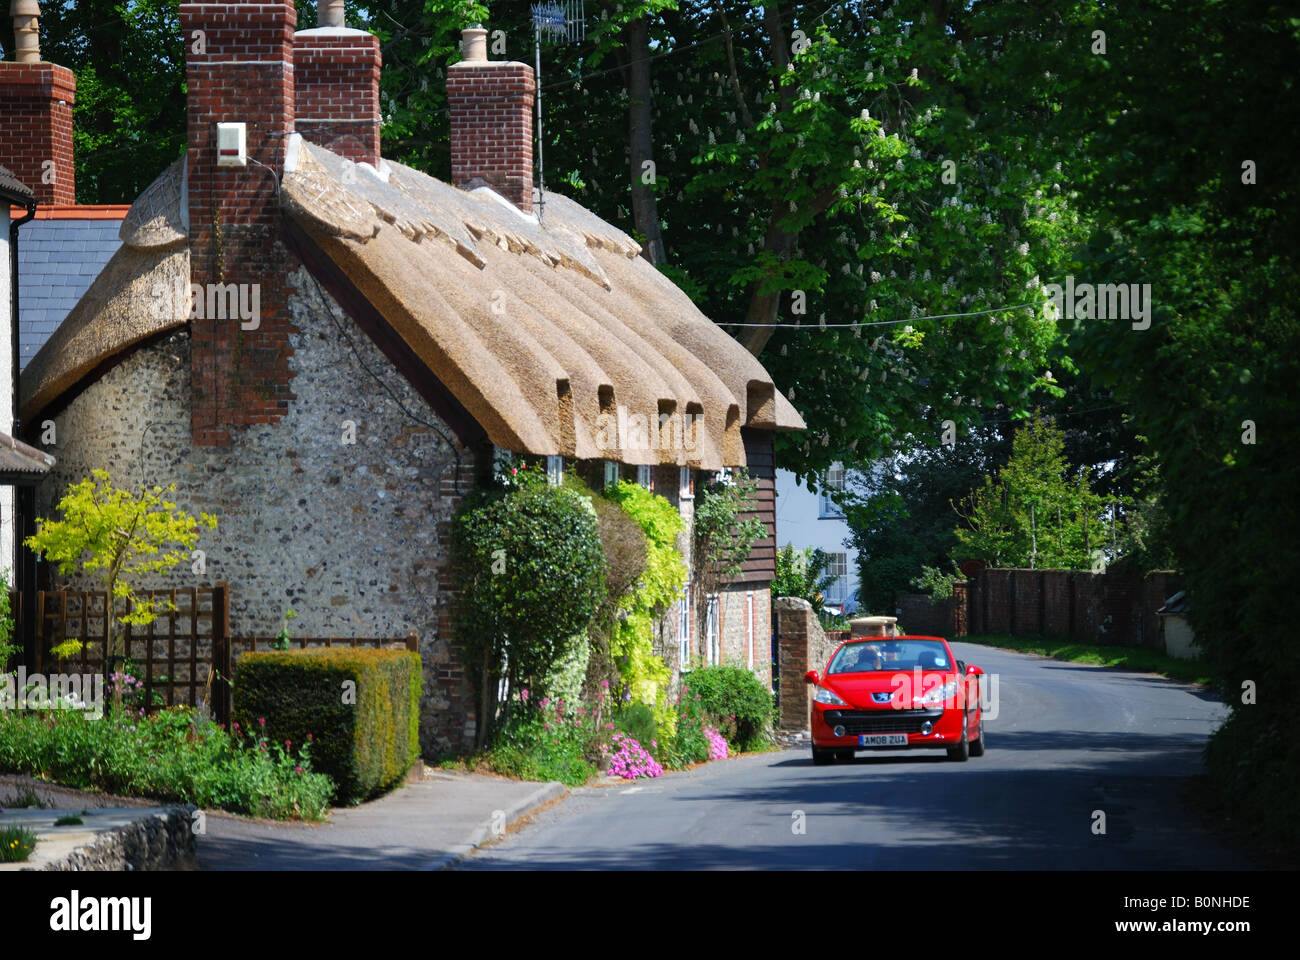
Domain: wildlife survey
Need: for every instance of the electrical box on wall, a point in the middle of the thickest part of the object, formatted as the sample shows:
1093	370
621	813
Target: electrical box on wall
232	145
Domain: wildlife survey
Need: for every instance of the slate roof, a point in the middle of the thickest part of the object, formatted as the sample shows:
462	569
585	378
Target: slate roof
20	463
12	187
58	259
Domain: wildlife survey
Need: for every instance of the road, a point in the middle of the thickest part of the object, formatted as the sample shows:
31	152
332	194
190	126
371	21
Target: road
1068	740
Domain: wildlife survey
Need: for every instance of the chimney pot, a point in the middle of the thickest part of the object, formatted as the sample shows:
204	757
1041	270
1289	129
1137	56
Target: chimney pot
473	44
27	42
329	13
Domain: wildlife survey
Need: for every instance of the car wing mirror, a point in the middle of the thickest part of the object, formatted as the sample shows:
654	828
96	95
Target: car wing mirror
810	676
974	671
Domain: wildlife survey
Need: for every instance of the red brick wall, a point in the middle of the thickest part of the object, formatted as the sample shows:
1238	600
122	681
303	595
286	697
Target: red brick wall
337	93
36	128
239	68
492	127
1114	607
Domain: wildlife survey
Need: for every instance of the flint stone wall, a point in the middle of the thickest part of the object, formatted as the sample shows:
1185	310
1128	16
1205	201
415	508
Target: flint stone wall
346	534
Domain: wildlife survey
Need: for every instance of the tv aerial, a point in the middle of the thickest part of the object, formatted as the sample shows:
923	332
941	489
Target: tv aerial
553	23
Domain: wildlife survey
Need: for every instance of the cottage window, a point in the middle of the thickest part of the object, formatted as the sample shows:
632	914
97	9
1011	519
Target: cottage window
611	473
645	476
555	470
712	632
684	628
685	483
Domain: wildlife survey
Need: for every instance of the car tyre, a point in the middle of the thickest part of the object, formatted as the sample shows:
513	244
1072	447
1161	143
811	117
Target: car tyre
962	750
822	757
977	748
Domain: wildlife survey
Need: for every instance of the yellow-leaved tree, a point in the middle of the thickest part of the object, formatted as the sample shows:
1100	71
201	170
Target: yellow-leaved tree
119	537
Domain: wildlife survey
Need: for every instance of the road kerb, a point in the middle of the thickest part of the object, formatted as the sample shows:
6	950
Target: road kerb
543	795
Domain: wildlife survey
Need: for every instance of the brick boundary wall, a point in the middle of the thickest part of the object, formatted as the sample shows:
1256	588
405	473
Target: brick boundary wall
802	645
1110	608
36	128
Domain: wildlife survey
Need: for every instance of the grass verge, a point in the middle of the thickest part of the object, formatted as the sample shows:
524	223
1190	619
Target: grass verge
1139	659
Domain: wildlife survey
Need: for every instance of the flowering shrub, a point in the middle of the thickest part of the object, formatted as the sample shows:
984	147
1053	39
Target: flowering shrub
629	760
717	744
172	755
549	740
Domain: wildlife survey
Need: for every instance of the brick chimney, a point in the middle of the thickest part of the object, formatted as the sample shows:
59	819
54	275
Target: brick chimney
337	86
36	113
239	69
491	121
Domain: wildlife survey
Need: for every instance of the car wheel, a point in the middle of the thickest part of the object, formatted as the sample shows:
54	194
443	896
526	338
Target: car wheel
977	748
822	757
962	750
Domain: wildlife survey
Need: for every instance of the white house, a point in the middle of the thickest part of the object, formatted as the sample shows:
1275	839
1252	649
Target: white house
808	518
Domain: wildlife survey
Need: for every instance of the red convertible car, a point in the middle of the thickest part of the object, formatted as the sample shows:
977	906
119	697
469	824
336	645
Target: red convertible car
880	693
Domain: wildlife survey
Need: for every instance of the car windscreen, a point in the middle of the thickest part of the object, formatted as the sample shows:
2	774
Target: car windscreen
869	656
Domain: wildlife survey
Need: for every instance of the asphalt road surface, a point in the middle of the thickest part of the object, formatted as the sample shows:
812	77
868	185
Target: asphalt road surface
1067	740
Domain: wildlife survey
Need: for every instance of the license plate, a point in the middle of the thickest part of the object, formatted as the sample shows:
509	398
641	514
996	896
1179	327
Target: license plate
882	740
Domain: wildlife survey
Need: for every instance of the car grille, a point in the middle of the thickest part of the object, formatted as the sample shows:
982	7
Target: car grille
880	721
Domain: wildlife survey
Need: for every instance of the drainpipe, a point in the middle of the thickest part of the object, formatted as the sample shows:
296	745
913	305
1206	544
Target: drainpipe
13	306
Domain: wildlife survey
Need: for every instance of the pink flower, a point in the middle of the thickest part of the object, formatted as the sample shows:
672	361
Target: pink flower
299	770
604	683
523	695
609	726
262	721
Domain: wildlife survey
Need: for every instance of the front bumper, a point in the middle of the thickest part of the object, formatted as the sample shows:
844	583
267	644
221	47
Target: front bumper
945	725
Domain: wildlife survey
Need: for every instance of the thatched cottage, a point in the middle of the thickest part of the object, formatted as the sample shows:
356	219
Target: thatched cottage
326	349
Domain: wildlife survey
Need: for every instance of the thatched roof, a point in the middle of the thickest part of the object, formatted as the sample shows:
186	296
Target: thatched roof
536	329
138	294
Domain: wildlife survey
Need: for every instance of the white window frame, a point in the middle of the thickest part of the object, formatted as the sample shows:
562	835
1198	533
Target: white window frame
611	473
723	477
554	470
684	629
837	565
828	509
749	627
645	476
685	483
712	631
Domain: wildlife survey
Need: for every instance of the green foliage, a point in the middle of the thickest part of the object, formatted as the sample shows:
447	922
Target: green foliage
935	582
1223	346
644	675
7	647
69	821
16	844
281	641
726	528
170	755
359	708
735	702
119	538
547	739
802	574
1035	513
640	723
529	573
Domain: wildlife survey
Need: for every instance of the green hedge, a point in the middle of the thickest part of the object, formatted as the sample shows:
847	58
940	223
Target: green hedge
736	701
365	746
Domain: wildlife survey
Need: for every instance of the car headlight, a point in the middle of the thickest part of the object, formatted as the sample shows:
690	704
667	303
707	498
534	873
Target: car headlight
938	696
827	695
